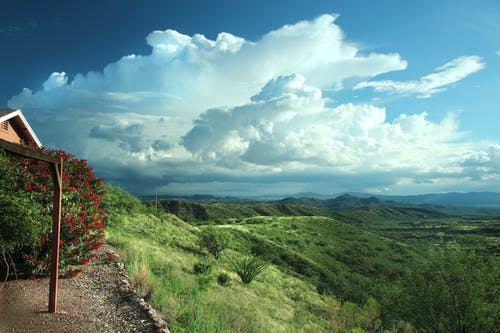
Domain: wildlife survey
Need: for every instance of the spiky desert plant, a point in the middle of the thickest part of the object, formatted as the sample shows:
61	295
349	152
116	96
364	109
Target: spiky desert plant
247	267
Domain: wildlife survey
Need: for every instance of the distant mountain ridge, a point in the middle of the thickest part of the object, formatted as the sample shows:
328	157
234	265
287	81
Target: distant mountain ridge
478	199
345	201
348	201
469	199
464	204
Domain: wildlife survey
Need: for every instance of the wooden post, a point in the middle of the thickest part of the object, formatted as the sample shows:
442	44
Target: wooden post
56	166
57	175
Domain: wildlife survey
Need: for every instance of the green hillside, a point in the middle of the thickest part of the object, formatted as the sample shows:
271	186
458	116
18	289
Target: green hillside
323	274
336	257
200	213
424	228
161	254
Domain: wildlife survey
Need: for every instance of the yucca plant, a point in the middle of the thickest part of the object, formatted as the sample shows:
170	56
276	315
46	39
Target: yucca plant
247	267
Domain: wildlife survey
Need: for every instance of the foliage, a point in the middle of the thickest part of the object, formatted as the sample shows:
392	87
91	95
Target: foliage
16	216
82	219
337	258
199	213
214	240
306	254
425	228
275	302
247	267
223	279
453	291
201	267
16	210
118	202
348	317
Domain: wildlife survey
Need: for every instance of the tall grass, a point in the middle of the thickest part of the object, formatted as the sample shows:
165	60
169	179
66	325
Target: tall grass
161	253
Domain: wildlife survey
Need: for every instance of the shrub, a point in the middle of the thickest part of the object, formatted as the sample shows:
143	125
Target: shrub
452	292
17	214
247	267
82	219
214	240
349	317
118	202
223	279
200	268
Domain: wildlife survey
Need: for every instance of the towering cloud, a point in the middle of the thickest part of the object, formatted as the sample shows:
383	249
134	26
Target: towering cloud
234	113
288	126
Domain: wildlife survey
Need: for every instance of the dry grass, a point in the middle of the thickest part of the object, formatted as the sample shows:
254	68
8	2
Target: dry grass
141	280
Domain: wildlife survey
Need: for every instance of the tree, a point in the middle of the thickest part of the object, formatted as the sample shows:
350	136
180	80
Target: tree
214	240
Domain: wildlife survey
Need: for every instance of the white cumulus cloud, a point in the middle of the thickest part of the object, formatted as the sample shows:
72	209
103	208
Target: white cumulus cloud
287	126
451	72
230	114
185	75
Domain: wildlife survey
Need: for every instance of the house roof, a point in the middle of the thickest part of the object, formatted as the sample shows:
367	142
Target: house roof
17	118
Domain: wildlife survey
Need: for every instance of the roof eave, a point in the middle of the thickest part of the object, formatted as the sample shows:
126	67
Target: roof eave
18	113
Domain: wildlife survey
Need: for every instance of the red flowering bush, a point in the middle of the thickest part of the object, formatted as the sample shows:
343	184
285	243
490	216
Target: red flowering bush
82	218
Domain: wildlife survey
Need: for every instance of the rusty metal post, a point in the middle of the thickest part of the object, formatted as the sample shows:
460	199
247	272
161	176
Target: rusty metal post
57	175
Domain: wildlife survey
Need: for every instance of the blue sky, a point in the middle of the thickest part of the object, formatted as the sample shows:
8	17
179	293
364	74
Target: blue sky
263	97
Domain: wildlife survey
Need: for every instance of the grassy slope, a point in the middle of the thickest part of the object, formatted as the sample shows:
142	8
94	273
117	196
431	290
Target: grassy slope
160	254
308	254
336	257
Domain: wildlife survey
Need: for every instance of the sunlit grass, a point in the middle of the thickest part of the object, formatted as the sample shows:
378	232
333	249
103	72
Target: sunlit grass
275	302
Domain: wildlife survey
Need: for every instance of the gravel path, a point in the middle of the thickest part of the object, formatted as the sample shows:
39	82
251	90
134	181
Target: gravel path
98	300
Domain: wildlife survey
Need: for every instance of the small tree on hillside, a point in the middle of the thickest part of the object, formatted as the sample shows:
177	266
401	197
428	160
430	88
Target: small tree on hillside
214	240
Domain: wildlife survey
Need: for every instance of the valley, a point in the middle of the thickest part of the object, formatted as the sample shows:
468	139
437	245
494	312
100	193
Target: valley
339	270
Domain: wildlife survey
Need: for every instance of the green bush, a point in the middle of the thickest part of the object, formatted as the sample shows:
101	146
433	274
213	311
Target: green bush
201	267
26	198
452	292
17	213
247	267
118	202
349	317
223	279
214	240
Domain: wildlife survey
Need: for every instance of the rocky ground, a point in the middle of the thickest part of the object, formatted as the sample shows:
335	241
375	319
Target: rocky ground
98	300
